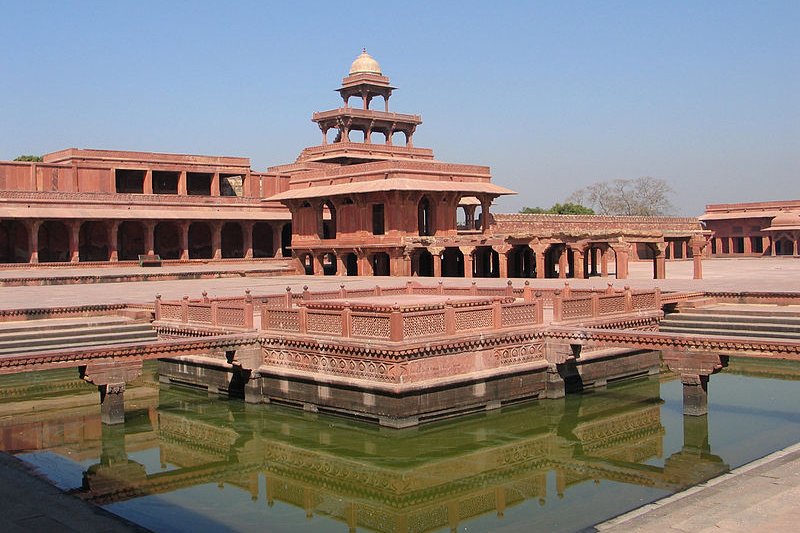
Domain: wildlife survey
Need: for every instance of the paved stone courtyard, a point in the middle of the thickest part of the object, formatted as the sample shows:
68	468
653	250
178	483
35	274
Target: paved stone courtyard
764	274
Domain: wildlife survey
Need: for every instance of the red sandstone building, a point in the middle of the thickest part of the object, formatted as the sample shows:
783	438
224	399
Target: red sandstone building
364	202
754	229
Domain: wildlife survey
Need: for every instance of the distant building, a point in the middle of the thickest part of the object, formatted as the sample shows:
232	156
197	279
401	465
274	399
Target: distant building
364	202
753	229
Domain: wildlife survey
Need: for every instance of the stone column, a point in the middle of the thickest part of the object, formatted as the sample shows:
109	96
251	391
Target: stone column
276	239
33	240
113	230
748	245
577	263
182	187
216	241
319	265
341	267
684	250
436	252
671	248
485	203
74	240
215	184
502	260
695	394
112	403
247	239
406	264
149	240
110	378
604	262
621	252
364	263
183	227
698	243
562	262
539	252
467	251
148	182
659	261
765	244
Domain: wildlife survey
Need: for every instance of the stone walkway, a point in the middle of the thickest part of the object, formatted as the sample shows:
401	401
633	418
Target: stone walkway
760	496
32	505
767	274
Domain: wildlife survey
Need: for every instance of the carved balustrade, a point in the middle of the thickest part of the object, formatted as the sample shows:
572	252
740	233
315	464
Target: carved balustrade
233	312
596	304
402	322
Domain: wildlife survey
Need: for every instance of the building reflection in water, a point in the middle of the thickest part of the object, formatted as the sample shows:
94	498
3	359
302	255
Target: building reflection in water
421	479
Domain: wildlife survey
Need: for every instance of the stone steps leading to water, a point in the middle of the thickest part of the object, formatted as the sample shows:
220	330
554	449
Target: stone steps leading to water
45	335
761	321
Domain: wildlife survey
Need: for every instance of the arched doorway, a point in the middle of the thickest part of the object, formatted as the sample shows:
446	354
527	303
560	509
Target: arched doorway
425	221
286	240
380	264
53	242
262	240
307	260
166	240
521	262
422	263
329	266
552	257
486	262
93	242
130	240
232	240
200	245
784	246
351	264
13	242
328	215
452	263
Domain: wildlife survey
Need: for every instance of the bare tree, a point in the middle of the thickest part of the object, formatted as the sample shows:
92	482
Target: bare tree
643	196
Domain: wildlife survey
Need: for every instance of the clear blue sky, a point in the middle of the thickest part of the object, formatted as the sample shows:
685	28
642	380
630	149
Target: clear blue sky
552	95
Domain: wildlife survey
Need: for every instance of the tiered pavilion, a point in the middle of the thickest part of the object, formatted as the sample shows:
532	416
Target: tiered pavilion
377	208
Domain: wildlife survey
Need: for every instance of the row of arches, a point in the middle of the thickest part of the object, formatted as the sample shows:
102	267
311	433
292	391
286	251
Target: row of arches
321	218
518	261
74	241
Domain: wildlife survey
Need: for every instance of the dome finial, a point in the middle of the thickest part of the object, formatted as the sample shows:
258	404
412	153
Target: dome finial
365	63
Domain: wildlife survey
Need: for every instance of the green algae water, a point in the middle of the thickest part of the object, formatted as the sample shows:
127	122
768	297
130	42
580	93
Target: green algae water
187	461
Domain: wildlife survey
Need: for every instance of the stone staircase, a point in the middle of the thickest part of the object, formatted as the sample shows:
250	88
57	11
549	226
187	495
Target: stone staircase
34	336
738	320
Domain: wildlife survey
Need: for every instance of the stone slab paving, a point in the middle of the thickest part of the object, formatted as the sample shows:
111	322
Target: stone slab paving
759	496
32	505
765	274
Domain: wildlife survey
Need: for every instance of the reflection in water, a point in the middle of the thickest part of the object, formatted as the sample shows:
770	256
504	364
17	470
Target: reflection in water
530	466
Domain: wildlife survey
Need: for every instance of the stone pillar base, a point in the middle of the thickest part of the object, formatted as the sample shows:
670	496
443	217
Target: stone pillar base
695	394
112	404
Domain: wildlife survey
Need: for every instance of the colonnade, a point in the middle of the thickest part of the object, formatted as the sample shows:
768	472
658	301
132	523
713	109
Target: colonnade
781	243
74	241
517	260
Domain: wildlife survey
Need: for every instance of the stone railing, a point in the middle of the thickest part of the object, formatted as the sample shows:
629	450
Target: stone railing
127	198
401	322
313	312
597	305
236	312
